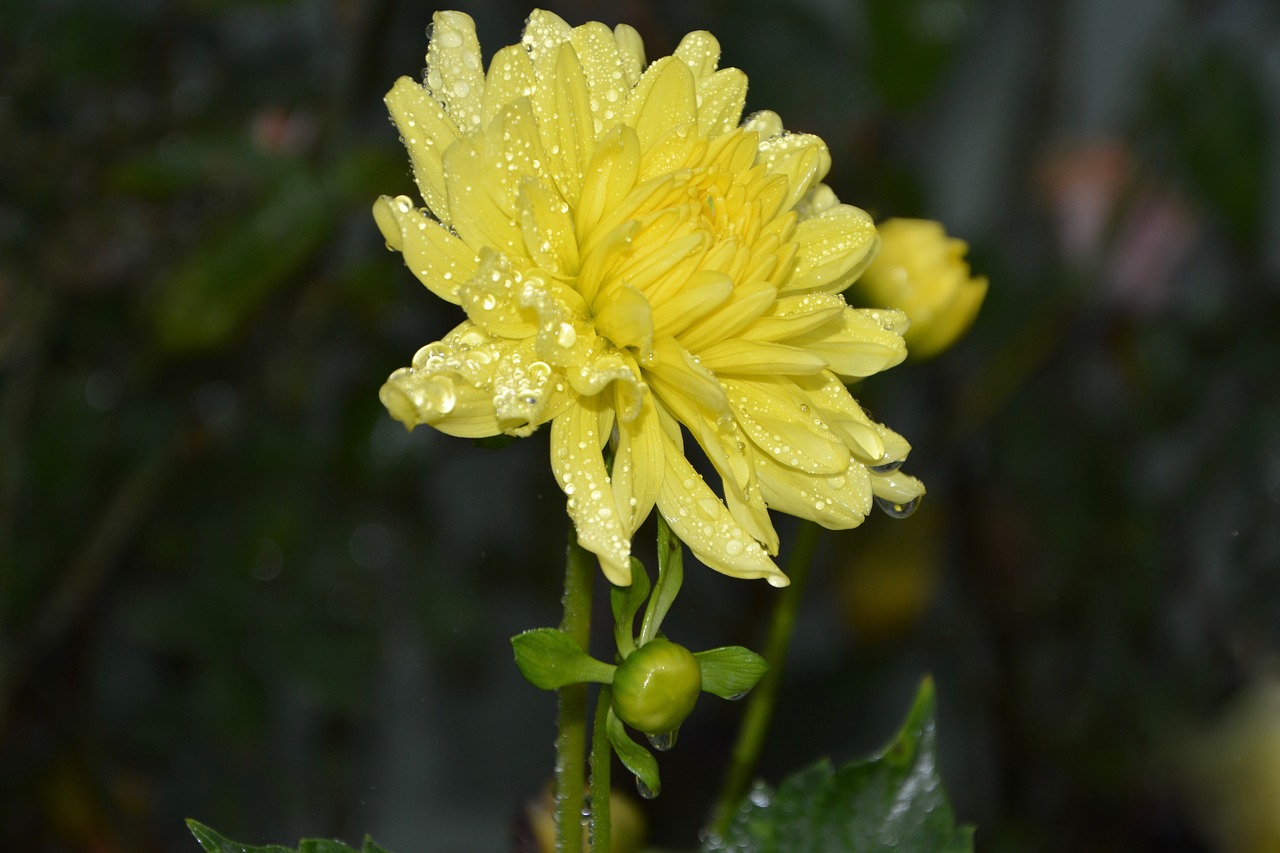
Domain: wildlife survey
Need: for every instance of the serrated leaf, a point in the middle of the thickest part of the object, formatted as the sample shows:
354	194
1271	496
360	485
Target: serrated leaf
633	756
214	842
550	659
892	801
730	671
625	601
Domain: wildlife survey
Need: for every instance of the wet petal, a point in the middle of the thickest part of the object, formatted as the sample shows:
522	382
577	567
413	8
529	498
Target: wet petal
427	133
744	357
836	501
439	259
638	466
704	523
777	419
860	342
493	300
832	249
455	74
578	463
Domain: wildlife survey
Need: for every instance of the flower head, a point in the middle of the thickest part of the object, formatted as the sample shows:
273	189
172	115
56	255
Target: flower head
635	262
922	272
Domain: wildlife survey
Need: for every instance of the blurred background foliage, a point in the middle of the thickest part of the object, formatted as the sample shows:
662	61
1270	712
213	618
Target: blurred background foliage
231	588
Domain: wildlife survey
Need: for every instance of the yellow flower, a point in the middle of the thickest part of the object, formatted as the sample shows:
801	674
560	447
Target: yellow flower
922	272
631	261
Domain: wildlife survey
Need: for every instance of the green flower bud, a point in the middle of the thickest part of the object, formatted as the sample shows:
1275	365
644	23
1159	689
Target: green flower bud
656	686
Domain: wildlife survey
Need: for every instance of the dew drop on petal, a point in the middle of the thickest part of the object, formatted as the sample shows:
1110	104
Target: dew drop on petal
897	510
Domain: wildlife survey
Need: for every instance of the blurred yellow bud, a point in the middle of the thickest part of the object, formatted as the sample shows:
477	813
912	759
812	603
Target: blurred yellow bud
922	272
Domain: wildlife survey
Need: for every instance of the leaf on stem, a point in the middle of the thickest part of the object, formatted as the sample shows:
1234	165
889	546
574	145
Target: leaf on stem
731	671
550	659
634	757
670	578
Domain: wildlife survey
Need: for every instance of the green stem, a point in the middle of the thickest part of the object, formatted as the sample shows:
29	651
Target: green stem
601	760
755	720
571	736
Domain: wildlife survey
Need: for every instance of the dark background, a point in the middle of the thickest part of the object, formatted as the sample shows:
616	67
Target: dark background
231	588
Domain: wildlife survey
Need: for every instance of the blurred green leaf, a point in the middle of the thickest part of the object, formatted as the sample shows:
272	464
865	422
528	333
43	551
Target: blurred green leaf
213	294
913	42
213	842
893	801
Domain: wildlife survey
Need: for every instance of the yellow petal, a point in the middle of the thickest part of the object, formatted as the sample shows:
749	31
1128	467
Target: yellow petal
897	488
473	201
778	421
796	314
578	463
832	401
602	67
836	501
663	99
832	249
543	32
630	52
493	298
702	522
627	320
440	401
677	378
547	226
638	465
510	78
703	293
745	357
427	133
746	304
439	260
860	342
455	74
802	157
700	51
608	179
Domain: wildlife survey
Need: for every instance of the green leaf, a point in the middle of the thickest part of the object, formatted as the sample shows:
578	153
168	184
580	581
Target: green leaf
634	757
550	659
731	671
892	801
213	842
625	602
670	579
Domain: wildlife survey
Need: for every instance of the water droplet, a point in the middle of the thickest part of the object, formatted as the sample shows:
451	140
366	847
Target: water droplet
663	741
644	790
733	547
897	510
886	466
760	796
738	697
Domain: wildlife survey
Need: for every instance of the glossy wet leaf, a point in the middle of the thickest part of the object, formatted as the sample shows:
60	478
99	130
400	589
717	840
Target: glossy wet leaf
550	659
892	801
731	671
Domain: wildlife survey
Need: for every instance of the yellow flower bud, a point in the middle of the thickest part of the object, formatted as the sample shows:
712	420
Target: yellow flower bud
656	686
922	272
